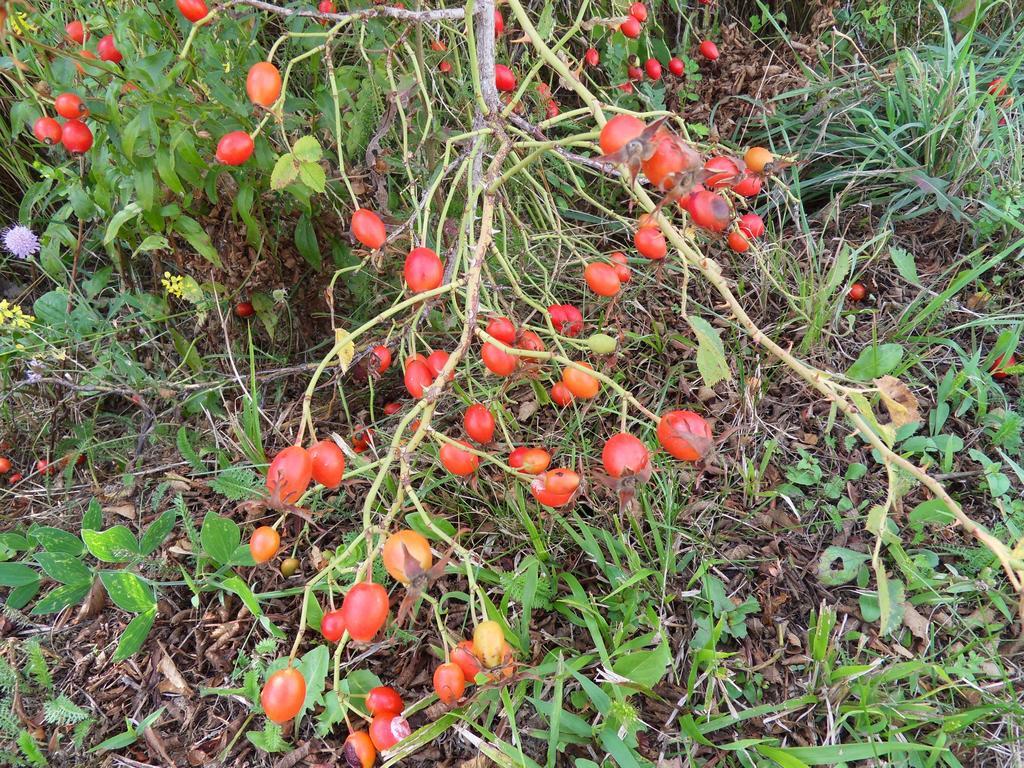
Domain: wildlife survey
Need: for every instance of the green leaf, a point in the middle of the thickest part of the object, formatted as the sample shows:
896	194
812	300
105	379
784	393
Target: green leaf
645	668
125	738
905	264
51	308
307	149
239	483
119	219
127	591
63	567
886	605
269	739
81	203
839	565
187	349
190	229
546	21
840	269
16	575
314	666
875	361
10	543
188	453
306	242
780	756
61	597
357	684
30	749
114	545
711	360
157	531
56	540
313	176
153	243
235	585
286	170
850	753
165	167
219	537
19	597
134	636
93	517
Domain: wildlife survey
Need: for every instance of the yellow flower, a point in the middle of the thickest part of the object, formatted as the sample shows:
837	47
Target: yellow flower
173	284
11	315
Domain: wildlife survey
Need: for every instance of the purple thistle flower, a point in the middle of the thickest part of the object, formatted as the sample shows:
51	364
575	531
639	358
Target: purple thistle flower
21	241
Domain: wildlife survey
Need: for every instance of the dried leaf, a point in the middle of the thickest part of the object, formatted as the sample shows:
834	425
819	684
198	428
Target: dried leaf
915	622
898	400
125	510
346	349
173	681
527	408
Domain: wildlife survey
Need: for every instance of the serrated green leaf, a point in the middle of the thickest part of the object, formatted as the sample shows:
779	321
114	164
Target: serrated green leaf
905	264
286	170
238	484
188	453
711	360
313	176
307	149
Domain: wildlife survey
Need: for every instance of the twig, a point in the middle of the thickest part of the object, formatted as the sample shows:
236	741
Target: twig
418	17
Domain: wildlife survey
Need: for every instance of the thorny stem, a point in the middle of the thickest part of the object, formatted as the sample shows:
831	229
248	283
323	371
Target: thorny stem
345	339
817	379
479	17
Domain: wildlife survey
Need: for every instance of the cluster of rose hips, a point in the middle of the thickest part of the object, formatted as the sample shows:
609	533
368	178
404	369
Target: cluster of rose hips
74	134
631	28
672	166
407	557
633	23
5	467
43	467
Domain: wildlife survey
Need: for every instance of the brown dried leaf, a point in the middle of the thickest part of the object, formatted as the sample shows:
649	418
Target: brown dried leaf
527	408
173	681
898	400
94	601
916	623
125	509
